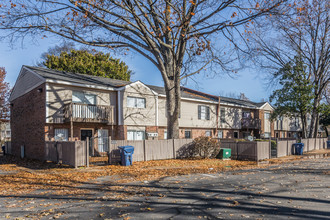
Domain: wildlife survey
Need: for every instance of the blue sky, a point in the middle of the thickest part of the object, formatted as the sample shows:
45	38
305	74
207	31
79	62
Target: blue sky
247	81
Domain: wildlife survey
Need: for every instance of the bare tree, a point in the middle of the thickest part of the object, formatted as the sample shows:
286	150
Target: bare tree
302	30
174	35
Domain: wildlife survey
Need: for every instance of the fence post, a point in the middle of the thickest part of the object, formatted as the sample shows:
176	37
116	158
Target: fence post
109	150
236	149
144	150
276	147
270	147
174	154
87	151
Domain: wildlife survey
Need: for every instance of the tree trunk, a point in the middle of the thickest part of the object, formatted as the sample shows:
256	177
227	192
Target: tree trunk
304	127
316	132
314	115
173	100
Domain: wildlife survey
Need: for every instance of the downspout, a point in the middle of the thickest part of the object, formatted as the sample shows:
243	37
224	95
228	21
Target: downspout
217	119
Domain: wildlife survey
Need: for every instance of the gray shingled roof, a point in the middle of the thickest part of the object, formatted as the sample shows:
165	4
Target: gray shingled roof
161	90
77	78
101	81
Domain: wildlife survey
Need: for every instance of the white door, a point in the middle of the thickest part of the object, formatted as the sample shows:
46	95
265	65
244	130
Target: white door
103	140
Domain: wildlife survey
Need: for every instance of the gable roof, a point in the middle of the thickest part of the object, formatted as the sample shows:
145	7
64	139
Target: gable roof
84	80
58	76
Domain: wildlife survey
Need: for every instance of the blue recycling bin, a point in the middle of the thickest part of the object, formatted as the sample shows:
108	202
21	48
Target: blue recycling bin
126	153
328	144
299	148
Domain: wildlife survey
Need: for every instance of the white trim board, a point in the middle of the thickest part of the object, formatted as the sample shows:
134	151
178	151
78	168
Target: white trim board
137	82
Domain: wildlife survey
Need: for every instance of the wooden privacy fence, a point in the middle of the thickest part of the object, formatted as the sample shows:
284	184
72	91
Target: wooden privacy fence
285	147
151	149
73	153
247	150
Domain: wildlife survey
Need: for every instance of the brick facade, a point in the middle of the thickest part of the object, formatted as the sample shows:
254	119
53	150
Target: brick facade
28	116
77	127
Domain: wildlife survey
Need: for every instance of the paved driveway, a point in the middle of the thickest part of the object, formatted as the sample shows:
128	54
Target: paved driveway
295	190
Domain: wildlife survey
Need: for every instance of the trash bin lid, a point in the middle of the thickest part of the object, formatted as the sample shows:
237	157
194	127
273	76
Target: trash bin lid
127	149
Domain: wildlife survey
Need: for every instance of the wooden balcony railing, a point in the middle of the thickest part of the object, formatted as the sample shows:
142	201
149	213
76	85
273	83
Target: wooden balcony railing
78	112
250	123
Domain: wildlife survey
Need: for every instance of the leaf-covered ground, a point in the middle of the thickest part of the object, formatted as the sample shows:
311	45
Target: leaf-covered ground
156	189
24	176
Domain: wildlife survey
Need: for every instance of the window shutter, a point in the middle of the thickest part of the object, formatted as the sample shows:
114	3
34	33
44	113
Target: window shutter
207	113
199	112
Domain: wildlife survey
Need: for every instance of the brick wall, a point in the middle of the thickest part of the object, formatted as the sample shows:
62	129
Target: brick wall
28	116
50	129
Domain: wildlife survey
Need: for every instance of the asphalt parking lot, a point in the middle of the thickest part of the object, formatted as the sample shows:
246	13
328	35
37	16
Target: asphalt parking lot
293	190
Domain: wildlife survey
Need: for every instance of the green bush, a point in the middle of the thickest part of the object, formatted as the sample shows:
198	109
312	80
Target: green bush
205	147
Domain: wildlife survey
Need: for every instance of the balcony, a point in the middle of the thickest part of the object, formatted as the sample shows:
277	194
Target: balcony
251	123
78	112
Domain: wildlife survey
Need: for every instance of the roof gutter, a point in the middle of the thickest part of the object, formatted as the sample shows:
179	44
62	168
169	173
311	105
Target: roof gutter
60	82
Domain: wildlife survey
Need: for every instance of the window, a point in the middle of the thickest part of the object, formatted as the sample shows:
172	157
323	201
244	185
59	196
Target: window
267	135
235	134
289	135
61	134
8	133
203	112
220	134
223	115
135	135
135	102
187	134
80	97
103	140
267	116
208	133
165	134
276	135
282	135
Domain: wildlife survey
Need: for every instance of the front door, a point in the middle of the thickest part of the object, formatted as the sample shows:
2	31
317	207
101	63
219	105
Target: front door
86	133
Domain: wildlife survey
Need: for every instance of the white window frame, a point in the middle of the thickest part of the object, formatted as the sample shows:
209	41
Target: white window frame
64	131
220	134
133	102
85	98
208	133
135	135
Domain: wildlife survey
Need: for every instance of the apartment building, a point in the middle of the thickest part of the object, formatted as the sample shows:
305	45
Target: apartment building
54	105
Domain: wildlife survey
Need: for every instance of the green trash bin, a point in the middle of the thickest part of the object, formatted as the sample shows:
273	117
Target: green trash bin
225	153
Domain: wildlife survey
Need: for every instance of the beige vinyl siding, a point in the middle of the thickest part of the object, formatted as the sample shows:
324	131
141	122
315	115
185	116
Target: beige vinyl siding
267	122
139	116
59	95
288	124
233	118
189	115
26	82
